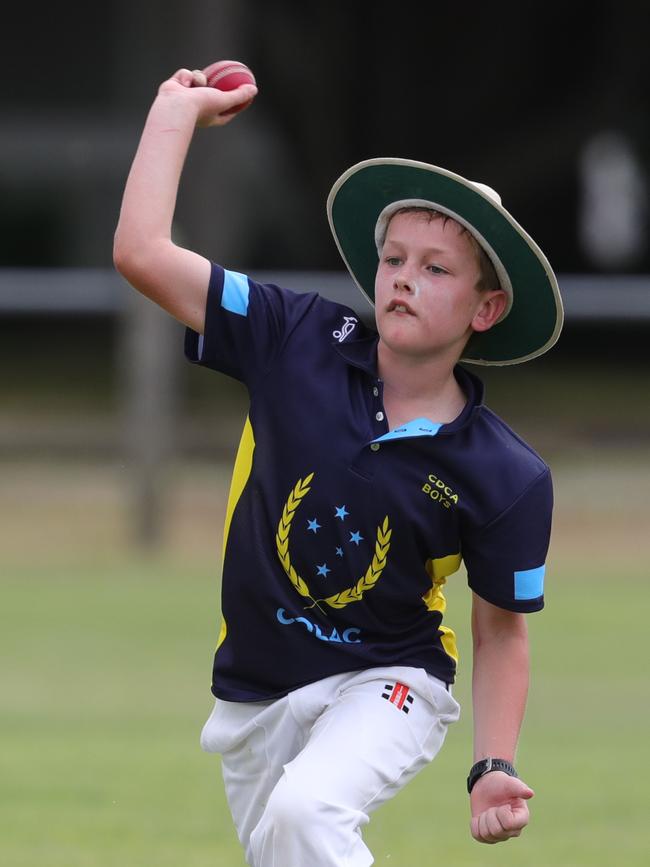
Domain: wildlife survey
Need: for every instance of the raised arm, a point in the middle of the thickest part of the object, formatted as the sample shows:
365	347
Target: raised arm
144	253
500	687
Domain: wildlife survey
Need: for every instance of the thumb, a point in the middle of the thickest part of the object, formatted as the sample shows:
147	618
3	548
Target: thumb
516	788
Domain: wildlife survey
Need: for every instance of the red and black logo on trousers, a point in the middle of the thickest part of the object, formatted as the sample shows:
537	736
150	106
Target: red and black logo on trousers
398	694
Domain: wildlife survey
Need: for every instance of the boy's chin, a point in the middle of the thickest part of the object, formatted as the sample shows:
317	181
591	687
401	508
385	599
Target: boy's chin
405	335
407	346
397	331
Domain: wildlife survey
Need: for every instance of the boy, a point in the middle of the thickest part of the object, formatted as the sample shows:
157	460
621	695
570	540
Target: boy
368	469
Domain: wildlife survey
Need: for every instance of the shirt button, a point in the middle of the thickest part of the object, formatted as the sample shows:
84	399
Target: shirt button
379	416
375	391
375	447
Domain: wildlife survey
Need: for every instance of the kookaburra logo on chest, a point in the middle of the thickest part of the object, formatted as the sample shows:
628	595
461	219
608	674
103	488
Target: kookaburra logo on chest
349	324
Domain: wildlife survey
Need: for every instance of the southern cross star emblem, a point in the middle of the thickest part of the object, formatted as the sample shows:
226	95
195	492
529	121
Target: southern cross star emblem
370	557
355	538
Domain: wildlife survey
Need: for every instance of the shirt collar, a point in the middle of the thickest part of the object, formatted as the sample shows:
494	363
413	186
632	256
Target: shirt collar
474	391
362	353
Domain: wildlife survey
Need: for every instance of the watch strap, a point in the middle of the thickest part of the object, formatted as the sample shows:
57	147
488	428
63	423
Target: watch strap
484	766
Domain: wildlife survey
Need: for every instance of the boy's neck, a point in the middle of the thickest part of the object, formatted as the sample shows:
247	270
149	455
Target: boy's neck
415	387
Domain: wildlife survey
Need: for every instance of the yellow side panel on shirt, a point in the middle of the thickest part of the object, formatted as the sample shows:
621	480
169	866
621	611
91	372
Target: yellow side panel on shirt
240	475
439	570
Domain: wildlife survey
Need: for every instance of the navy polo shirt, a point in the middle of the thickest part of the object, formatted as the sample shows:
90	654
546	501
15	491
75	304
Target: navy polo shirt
340	534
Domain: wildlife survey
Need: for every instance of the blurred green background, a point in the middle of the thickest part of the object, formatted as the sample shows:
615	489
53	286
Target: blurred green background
107	647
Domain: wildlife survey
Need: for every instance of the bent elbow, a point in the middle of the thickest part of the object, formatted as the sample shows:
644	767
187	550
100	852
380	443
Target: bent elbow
124	257
133	262
121	255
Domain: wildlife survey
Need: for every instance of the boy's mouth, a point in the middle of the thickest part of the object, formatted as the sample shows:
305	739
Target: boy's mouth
396	306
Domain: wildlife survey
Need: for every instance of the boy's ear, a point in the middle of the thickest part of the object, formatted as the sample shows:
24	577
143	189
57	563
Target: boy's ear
492	304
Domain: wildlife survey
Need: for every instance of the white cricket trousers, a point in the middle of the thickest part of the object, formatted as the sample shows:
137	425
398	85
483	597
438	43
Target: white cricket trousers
302	773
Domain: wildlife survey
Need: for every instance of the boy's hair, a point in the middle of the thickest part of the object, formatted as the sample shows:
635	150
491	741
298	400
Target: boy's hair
488	280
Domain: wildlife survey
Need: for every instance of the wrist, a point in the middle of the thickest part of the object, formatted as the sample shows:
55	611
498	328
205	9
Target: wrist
173	106
487	766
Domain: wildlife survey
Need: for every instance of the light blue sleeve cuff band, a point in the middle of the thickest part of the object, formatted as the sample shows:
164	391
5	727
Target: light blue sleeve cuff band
529	583
235	293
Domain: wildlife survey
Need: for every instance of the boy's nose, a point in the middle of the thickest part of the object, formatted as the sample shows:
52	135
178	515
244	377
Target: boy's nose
405	281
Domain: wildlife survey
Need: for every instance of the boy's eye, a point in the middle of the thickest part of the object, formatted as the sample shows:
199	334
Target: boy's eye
436	269
392	260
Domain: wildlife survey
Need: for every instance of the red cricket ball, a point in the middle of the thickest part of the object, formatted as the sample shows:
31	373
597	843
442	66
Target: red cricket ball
228	75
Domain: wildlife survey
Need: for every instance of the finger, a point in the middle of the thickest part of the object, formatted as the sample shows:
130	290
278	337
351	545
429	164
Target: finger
514	818
228	104
234	101
476	830
199	78
497	827
485	831
184	77
510	823
240	94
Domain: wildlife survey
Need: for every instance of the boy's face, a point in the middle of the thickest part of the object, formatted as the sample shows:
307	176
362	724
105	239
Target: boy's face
426	300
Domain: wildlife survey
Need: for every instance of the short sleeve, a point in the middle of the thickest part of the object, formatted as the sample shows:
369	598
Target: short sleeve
246	325
506	560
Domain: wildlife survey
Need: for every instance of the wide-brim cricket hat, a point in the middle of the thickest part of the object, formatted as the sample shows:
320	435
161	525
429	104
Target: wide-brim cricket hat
364	198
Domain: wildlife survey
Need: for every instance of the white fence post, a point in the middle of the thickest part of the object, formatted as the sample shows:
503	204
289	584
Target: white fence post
151	350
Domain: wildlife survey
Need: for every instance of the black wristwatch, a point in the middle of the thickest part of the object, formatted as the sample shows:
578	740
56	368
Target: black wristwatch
485	766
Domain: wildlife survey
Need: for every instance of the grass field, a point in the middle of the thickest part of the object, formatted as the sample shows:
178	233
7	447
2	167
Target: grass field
106	661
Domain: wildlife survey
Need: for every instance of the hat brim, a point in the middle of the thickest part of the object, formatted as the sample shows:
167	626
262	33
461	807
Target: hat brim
359	196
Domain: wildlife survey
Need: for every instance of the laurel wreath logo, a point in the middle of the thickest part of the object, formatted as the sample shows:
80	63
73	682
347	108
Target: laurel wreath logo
345	597
282	536
373	572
